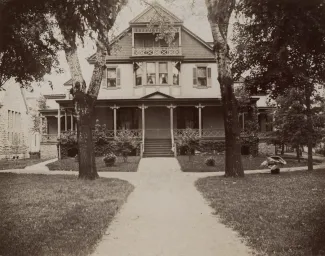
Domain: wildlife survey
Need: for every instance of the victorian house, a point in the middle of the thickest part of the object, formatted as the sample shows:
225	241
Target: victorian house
153	88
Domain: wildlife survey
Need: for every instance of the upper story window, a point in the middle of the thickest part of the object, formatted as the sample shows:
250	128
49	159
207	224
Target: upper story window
176	71
156	73
151	72
163	73
113	77
138	73
202	76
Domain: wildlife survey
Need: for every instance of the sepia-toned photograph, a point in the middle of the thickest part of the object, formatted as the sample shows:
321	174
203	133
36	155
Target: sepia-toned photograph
162	128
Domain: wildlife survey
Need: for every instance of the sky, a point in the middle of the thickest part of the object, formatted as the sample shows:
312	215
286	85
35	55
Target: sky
192	12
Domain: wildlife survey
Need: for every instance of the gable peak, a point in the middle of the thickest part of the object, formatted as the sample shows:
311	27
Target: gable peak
155	9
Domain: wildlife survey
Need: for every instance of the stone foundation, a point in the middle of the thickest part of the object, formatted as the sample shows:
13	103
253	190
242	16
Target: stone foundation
49	150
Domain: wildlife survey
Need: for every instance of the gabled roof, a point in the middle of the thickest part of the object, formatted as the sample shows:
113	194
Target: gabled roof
154	9
157	95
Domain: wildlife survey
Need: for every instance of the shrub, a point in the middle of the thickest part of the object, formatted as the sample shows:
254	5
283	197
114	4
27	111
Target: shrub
125	143
68	138
210	161
189	140
109	159
321	151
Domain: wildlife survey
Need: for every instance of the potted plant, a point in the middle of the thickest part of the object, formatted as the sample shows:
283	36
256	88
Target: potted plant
109	159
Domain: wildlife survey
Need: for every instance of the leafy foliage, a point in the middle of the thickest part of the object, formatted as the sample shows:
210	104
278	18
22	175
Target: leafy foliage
291	125
189	139
210	161
125	143
109	159
68	138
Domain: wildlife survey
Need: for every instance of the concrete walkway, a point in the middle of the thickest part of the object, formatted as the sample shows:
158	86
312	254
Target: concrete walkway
167	216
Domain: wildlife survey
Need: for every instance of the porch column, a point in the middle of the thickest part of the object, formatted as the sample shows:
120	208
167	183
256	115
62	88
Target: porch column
143	107
59	130
200	118
243	120
41	123
59	121
71	120
65	120
171	109
115	120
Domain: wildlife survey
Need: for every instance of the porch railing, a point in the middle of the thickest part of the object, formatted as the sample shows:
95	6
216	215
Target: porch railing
49	138
156	51
206	133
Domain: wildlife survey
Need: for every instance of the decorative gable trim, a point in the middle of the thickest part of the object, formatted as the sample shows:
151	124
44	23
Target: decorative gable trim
157	7
155	94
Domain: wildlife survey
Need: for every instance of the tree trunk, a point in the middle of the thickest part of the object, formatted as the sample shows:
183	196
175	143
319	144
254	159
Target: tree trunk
298	153
282	149
219	12
309	128
83	105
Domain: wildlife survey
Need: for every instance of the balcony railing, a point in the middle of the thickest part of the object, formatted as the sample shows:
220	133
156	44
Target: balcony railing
156	51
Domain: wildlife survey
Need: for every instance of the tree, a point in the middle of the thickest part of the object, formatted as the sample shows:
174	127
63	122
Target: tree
75	20
281	45
27	44
219	13
290	122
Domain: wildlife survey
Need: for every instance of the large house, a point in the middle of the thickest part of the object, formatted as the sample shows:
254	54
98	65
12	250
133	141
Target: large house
15	122
153	88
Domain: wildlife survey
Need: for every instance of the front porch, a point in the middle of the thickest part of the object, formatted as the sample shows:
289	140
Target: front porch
148	118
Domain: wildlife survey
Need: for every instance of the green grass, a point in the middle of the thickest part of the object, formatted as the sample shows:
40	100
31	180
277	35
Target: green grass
197	163
19	163
280	215
69	164
56	215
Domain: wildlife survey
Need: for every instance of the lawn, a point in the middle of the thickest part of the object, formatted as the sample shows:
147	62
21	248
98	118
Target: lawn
197	163
280	215
19	163
69	164
56	215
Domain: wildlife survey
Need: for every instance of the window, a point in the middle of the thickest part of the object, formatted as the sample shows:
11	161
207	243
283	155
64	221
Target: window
14	127
163	73
111	77
151	73
202	76
138	73
176	70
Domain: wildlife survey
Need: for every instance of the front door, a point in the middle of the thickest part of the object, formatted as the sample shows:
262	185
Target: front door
157	122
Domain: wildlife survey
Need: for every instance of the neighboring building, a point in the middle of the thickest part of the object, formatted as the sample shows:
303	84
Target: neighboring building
15	122
151	88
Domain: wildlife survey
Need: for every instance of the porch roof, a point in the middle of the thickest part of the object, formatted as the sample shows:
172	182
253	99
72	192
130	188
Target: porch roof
149	102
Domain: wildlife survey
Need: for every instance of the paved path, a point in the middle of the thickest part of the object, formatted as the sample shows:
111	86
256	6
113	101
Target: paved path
166	216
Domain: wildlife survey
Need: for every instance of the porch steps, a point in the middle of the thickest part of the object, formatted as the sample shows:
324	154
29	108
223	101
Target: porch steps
158	148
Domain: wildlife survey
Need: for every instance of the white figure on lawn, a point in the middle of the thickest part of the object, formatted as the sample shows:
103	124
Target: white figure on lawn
274	163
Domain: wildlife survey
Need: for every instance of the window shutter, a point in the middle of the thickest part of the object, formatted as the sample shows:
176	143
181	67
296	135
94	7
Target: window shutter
194	76
104	81
209	76
118	77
